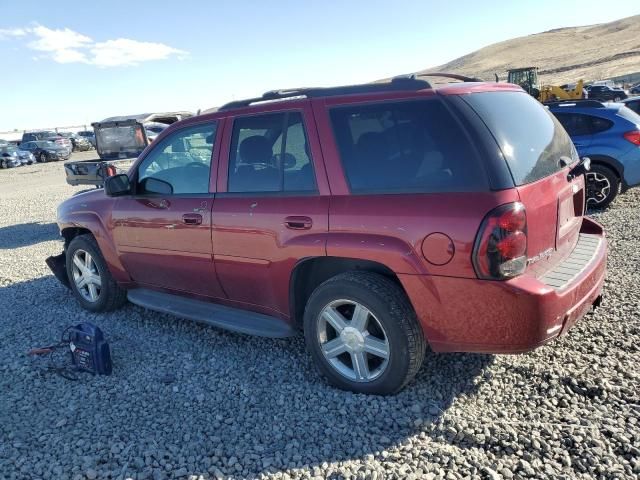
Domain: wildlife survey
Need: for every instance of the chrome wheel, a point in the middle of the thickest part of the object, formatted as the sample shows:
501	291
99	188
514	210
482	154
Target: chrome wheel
598	188
353	340
86	275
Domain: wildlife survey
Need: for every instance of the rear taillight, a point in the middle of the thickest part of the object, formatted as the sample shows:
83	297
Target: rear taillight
633	136
500	250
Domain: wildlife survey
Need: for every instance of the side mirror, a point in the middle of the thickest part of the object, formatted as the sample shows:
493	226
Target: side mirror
155	185
117	185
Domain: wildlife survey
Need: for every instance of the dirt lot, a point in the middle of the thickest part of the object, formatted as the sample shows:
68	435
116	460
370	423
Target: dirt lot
188	401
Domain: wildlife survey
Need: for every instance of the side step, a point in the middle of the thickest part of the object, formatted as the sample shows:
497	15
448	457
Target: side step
229	318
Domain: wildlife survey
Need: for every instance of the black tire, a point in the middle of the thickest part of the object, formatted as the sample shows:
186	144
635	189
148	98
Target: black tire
42	158
391	308
593	199
111	296
3	164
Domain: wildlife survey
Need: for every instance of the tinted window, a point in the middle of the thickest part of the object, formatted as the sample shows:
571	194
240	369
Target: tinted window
575	124
599	125
531	138
183	160
400	147
269	153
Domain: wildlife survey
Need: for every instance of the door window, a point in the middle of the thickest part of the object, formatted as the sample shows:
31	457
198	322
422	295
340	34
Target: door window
575	124
270	153
182	161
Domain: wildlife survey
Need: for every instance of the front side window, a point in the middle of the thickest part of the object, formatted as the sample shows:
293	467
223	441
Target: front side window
182	161
410	146
270	153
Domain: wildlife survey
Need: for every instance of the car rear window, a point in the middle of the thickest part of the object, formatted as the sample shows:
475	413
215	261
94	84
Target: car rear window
531	138
407	146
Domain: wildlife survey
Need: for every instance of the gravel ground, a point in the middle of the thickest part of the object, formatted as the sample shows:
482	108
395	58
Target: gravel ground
188	401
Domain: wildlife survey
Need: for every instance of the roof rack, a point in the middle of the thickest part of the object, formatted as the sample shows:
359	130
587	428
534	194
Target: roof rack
455	76
580	103
396	84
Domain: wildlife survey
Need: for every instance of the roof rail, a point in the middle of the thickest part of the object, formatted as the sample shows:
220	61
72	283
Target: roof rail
455	76
396	84
580	103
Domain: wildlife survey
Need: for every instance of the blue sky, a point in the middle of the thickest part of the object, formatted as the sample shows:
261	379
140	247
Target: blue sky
75	62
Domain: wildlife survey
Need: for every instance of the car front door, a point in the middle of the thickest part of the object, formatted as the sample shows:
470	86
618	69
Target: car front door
272	206
163	230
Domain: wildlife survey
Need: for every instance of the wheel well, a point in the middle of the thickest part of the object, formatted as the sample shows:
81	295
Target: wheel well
310	273
611	163
72	232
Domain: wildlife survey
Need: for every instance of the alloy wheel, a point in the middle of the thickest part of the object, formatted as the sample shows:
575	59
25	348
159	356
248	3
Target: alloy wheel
598	188
353	340
86	275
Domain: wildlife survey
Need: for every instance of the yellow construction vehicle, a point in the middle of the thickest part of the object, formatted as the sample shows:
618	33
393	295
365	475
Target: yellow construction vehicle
527	78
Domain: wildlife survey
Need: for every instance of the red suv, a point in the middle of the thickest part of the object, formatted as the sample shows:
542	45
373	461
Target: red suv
376	218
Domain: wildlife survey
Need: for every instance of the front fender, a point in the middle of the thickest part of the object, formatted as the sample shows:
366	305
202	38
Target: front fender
92	222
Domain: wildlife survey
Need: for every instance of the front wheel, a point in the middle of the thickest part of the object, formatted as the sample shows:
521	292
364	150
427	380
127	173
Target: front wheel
602	186
43	157
90	279
363	333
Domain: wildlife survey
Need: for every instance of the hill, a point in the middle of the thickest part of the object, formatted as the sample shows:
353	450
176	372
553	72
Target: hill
563	55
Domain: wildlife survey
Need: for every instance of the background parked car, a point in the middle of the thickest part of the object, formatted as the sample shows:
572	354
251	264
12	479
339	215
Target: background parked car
45	150
9	157
633	103
609	134
153	129
89	135
47	135
604	92
78	143
635	89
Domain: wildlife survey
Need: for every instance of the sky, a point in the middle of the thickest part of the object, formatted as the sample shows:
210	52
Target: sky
76	62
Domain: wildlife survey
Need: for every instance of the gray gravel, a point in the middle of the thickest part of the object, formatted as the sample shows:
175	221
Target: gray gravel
187	401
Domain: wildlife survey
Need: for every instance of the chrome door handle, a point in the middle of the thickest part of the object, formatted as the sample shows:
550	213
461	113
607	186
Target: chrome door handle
192	218
298	223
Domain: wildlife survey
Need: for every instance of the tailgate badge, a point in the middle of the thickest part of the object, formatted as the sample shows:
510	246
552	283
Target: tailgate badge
541	256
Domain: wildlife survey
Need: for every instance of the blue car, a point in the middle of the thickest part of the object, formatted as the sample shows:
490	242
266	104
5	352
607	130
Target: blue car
609	134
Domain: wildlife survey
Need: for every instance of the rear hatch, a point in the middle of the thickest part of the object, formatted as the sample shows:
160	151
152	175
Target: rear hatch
539	154
120	139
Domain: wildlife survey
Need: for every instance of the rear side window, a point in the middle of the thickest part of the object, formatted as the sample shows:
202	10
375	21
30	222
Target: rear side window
531	138
575	124
599	125
270	153
410	146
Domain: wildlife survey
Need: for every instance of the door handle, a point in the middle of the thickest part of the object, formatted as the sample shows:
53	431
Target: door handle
192	218
298	223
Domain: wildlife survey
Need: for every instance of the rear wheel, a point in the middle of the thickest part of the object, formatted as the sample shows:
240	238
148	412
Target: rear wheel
42	157
90	279
363	334
617	99
3	164
602	186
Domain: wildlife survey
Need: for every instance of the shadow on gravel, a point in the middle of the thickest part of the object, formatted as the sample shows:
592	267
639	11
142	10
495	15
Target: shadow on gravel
235	406
25	234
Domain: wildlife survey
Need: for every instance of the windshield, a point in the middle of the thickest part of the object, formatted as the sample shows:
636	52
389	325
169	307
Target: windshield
530	137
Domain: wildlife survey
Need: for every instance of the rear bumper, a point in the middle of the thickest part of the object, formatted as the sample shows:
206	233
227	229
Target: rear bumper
470	315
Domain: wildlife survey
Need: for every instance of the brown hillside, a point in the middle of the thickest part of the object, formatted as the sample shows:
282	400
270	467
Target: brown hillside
563	55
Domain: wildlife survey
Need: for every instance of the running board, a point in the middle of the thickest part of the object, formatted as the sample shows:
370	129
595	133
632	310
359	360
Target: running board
214	314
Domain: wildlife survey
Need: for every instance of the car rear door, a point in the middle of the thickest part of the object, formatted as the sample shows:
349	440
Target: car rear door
271	209
163	230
